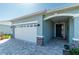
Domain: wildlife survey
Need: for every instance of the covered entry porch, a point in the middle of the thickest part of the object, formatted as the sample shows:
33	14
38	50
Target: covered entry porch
58	28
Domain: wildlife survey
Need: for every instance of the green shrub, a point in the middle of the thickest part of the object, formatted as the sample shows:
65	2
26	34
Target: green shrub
74	51
7	36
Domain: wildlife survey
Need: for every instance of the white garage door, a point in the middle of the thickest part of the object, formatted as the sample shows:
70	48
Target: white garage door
26	32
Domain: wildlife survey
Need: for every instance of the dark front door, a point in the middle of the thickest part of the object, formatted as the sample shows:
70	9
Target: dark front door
59	30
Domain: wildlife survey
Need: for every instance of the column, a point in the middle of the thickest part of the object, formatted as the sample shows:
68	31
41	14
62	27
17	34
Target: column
40	37
13	31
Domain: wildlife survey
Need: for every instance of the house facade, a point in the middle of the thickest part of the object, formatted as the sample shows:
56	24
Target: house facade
42	26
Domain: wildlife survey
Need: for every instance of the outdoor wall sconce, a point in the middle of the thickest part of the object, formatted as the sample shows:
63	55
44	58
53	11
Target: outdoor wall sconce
38	24
13	26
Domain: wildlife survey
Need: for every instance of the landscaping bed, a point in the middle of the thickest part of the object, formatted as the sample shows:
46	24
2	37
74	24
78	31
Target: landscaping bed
5	36
70	51
74	51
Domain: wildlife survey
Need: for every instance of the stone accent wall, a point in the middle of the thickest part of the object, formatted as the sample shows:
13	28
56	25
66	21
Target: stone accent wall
40	41
75	44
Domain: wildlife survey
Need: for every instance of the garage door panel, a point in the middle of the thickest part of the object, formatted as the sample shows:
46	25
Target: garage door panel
26	33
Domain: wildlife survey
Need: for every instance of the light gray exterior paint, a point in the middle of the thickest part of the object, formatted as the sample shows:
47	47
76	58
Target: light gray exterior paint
48	30
40	28
29	19
71	29
76	28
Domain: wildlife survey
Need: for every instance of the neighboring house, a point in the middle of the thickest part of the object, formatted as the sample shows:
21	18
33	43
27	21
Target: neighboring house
5	27
42	26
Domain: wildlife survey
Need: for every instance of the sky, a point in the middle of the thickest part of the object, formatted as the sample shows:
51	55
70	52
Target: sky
9	11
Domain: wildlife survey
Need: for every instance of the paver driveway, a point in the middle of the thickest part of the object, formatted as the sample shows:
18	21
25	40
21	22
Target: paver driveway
19	47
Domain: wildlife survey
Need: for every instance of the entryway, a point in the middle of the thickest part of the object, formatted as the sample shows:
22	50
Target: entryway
60	30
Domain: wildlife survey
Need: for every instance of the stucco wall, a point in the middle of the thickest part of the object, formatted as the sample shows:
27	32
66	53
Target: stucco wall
29	19
75	37
76	27
40	27
48	30
71	29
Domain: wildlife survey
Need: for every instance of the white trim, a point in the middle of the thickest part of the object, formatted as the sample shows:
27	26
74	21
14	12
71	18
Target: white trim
55	28
63	14
75	39
25	22
5	23
40	36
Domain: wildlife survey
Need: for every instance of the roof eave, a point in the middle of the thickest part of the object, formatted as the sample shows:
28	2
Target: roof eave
63	9
30	15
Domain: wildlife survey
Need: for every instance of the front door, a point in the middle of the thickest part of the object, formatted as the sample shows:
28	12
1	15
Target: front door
60	30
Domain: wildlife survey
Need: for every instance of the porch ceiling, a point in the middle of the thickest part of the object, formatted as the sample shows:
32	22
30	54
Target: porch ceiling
60	18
